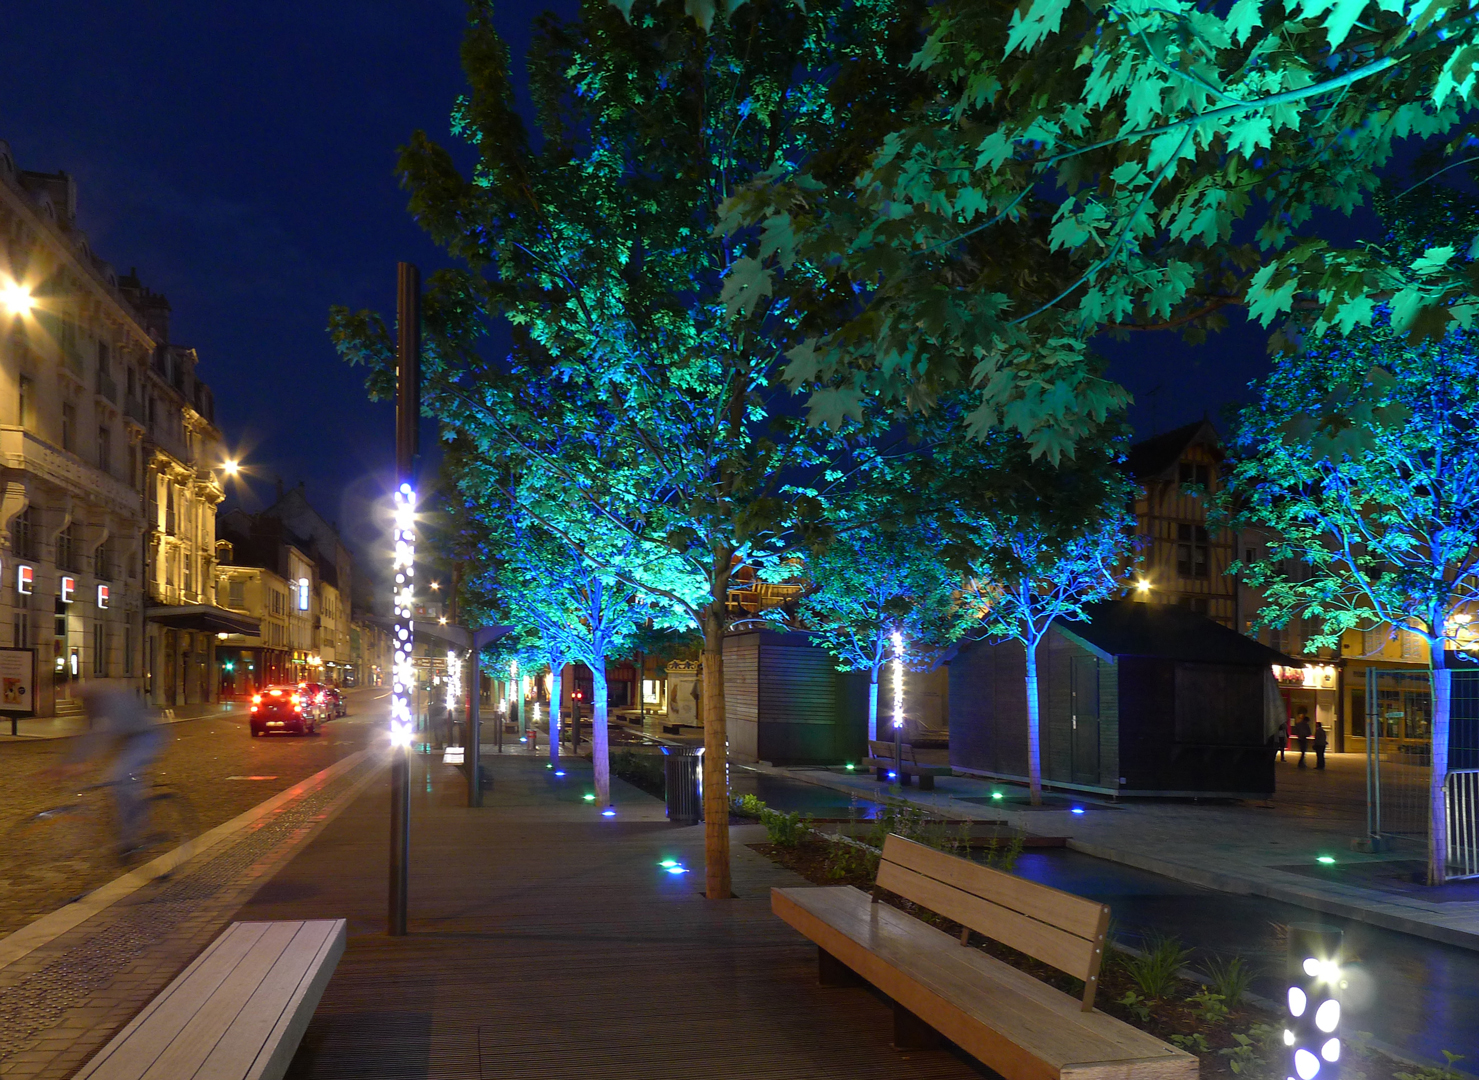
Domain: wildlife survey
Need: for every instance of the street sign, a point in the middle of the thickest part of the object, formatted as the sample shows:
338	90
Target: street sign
17	684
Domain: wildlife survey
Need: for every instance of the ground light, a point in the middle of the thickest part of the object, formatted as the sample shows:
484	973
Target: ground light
1326	860
673	866
1076	810
588	797
996	795
559	772
608	813
849	766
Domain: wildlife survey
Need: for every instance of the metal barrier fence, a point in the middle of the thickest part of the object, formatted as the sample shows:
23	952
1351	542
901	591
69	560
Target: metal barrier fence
1461	802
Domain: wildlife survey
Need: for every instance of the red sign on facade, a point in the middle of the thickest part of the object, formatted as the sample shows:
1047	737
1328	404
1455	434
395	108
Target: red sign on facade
25	579
69	586
102	596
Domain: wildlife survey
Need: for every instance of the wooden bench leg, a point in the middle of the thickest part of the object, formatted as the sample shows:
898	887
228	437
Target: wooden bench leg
833	972
903	779
912	1033
926	782
882	774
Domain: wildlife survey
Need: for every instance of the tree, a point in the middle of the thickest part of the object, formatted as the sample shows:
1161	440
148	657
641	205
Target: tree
1361	457
1079	168
870	581
596	242
1050	542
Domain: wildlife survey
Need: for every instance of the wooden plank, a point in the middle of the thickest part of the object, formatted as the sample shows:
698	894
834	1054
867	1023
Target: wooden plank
134	1049
1016	1025
1046	942
1074	914
219	1008
250	1033
277	1053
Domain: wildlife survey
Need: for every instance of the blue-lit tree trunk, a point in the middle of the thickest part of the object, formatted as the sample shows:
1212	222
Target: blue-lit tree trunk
1034	727
600	735
556	672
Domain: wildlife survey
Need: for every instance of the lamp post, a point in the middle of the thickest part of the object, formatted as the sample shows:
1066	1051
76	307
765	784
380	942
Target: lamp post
403	673
1313	1005
899	707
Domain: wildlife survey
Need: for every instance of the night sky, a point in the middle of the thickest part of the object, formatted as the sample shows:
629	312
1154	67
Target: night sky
241	157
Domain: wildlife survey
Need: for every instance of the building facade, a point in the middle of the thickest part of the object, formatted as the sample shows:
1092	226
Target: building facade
71	515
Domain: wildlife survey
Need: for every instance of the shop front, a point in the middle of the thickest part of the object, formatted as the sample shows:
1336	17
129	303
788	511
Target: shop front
1312	690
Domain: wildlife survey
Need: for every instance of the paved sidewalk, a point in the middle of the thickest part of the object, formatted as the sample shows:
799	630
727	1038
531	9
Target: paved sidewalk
546	941
1260	849
66	727
71	979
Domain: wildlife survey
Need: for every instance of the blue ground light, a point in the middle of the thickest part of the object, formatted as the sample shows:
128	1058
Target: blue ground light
1076	810
608	813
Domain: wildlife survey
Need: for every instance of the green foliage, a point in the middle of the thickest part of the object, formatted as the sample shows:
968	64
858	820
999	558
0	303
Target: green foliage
1076	168
747	806
785	830
1196	1042
642	771
1209	1008
1447	1071
1230	979
1253	1051
1138	1006
1155	972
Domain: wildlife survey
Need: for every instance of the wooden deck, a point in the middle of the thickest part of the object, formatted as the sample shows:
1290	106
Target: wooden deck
546	942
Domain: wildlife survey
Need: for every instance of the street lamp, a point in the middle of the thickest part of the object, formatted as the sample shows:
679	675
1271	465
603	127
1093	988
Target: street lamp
231	468
16	298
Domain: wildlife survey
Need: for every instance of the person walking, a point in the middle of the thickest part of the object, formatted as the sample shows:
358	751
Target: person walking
1302	733
1281	737
1322	740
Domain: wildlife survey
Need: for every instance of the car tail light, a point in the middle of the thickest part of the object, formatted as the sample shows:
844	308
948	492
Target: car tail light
296	699
256	699
322	698
254	708
275	693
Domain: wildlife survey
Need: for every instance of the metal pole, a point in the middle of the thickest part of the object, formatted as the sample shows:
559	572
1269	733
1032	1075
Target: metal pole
407	413
474	733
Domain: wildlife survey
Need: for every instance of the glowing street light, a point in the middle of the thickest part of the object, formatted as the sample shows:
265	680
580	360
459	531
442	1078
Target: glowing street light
1142	586
15	298
231	468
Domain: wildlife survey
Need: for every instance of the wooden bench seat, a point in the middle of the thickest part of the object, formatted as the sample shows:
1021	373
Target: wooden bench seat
1011	1022
882	761
237	1013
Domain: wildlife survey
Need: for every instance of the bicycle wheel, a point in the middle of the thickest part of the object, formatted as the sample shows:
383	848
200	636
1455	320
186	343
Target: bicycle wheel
172	819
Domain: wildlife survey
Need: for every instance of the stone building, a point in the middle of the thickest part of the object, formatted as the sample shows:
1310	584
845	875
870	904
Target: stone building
71	516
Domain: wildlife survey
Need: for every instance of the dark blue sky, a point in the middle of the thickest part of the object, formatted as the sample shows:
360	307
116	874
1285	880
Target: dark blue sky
241	157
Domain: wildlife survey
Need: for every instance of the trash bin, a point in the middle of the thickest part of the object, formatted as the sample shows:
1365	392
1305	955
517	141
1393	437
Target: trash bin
683	781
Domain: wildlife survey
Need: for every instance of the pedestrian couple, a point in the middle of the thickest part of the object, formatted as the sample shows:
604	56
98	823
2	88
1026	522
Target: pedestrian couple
1305	736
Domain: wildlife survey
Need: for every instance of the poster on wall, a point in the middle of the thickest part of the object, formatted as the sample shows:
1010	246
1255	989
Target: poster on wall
17	682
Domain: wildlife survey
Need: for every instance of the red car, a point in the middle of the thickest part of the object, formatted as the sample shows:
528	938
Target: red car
284	708
322	695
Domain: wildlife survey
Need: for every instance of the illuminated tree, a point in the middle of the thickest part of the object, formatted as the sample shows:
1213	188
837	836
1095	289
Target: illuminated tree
596	242
1042	545
867	582
1074	168
1361	458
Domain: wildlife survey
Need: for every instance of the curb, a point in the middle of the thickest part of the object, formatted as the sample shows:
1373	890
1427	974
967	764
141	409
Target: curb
49	927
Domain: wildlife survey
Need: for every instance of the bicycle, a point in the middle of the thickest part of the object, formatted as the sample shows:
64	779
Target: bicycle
76	839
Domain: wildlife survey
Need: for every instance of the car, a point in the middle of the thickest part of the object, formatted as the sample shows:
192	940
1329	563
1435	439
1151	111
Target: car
337	705
283	709
318	694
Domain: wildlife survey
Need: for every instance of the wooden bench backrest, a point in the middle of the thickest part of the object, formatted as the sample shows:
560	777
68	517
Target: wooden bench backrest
880	749
1056	927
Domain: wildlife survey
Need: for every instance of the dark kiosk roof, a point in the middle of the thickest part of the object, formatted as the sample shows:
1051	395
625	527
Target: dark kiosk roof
1129	628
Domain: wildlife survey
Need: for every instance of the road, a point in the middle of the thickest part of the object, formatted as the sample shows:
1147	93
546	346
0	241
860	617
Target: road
213	761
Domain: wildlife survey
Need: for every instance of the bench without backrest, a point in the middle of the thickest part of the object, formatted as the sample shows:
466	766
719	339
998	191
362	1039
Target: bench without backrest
1022	1028
882	760
237	1013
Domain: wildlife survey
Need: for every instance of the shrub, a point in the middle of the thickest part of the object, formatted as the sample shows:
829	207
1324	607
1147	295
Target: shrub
1154	972
1229	979
642	771
784	830
748	806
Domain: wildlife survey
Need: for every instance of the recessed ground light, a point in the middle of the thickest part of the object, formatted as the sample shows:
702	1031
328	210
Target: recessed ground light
559	772
608	813
996	794
668	864
588	797
1076	810
1326	860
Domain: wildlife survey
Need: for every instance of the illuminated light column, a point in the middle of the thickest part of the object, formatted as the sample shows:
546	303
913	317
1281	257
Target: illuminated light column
403	672
403	668
899	708
1313	1002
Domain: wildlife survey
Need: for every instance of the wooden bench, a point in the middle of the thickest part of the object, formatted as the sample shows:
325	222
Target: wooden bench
881	759
236	1013
1011	1022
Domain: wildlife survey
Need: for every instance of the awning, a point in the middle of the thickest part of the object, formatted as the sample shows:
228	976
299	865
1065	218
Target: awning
204	617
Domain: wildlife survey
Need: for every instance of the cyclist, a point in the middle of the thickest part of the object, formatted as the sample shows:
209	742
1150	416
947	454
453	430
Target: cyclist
121	729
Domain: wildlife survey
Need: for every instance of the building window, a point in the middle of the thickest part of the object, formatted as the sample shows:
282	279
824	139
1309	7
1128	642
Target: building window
21	628
27	403
66	550
128	649
100	648
23	535
236	594
1373	641
1196	475
1250	555
1193	553
102	561
1411	644
59	622
69	427
303	594
105	450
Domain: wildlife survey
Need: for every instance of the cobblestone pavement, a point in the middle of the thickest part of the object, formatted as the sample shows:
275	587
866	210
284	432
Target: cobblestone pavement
213	762
64	1000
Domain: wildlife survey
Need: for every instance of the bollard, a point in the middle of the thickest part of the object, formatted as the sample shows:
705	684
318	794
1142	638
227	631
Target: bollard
1313	1001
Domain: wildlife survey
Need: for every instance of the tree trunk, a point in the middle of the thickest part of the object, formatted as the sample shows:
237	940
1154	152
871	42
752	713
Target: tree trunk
716	754
600	745
1034	746
556	671
873	705
1437	802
